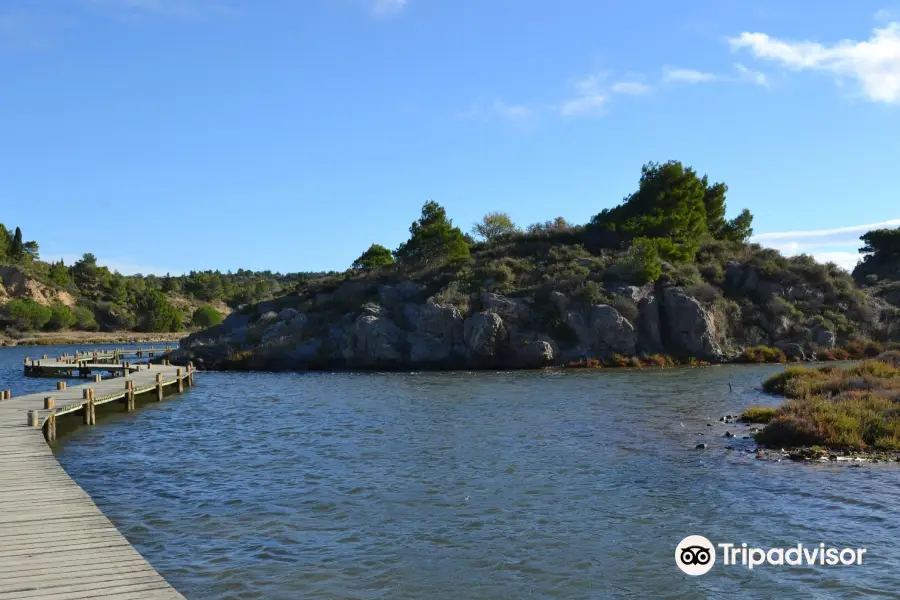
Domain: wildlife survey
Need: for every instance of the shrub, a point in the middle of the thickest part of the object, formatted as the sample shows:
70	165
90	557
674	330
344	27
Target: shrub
206	316
84	318
762	354
60	317
28	314
891	357
643	261
758	414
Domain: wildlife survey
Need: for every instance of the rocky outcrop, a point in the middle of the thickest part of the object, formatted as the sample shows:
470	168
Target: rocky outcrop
16	285
687	328
395	329
485	336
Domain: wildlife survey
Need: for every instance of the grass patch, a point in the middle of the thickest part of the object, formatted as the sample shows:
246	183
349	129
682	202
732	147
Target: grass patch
762	354
758	414
856	408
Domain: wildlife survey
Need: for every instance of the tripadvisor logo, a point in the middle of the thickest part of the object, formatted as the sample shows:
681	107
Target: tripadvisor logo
696	555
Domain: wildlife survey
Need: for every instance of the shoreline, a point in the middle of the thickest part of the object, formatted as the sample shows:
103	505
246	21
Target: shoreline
76	338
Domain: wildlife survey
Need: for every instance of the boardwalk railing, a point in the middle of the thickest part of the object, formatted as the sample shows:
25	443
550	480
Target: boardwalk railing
55	543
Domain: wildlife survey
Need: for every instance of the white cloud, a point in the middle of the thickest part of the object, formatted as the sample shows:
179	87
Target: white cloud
846	260
511	112
874	63
749	76
387	8
633	88
671	75
839	245
589	99
827	234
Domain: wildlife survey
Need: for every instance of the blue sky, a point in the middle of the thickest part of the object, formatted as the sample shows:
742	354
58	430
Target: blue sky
170	135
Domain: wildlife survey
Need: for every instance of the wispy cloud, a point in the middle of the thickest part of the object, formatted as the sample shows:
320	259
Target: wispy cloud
631	88
589	98
839	245
874	64
839	232
499	109
387	8
750	76
674	75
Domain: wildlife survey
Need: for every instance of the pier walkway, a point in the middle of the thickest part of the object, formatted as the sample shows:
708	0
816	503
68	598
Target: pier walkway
55	544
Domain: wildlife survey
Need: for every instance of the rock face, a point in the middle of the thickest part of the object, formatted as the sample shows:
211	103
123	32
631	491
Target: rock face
376	341
687	328
391	327
613	333
15	285
485	336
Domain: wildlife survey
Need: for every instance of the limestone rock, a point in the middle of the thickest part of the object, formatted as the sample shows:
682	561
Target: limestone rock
612	332
376	341
436	333
689	329
485	334
511	310
648	329
533	353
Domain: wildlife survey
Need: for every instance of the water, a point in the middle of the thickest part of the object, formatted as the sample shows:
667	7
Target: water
470	486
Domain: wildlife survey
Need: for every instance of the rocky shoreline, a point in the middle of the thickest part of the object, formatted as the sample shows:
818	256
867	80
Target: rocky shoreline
739	437
367	325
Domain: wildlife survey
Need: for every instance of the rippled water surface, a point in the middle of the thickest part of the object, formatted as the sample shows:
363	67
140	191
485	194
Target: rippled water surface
469	485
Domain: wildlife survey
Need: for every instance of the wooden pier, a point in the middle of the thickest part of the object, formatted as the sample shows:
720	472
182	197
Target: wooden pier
83	364
55	544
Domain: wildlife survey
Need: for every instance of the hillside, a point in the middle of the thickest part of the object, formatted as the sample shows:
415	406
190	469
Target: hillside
37	296
663	276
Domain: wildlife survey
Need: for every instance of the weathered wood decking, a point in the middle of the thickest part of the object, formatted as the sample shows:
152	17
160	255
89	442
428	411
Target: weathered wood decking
55	544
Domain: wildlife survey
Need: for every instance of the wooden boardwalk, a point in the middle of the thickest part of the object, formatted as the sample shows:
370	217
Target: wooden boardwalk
55	544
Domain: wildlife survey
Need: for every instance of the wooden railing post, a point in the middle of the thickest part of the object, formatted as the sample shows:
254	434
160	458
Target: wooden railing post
180	377
90	416
34	418
60	385
159	387
50	429
129	396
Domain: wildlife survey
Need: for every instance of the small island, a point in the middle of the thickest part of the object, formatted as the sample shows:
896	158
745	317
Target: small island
662	279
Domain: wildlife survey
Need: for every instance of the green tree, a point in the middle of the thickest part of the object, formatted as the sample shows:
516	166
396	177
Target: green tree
738	229
17	248
714	203
59	274
206	316
5	241
86	272
61	317
84	318
376	256
881	245
673	203
155	313
643	260
27	314
30	251
433	237
494	225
